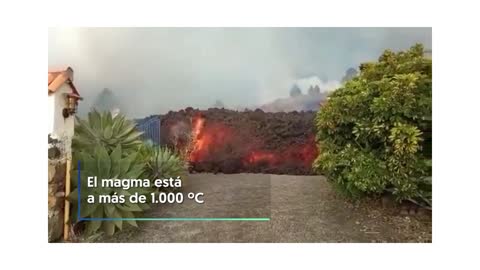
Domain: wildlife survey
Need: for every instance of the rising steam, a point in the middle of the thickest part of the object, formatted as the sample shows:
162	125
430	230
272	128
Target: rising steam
154	70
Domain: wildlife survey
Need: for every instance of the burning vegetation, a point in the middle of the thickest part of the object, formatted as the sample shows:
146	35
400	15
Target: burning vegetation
220	140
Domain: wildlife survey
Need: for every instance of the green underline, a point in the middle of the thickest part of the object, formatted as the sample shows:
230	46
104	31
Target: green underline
177	219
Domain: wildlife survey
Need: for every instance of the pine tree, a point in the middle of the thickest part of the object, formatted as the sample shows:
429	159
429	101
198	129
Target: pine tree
312	91
106	101
295	91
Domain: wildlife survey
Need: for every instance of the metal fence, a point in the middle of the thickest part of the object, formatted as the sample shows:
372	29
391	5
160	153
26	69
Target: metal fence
150	128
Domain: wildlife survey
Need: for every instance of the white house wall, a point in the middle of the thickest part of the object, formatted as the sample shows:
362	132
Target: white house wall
62	127
51	113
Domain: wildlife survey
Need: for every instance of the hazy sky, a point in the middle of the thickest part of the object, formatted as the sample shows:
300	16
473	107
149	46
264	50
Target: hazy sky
153	70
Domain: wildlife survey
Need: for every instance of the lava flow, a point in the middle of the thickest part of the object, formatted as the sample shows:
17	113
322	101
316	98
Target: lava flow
197	141
219	140
208	140
303	154
261	156
216	146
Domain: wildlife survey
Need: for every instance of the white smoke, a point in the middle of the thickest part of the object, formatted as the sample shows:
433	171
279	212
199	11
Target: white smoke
325	86
154	70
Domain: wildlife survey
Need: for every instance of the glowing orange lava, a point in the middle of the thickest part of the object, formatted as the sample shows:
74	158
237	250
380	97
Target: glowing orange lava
208	140
198	123
215	142
261	156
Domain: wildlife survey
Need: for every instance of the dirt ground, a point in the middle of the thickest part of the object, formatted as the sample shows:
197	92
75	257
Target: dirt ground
300	208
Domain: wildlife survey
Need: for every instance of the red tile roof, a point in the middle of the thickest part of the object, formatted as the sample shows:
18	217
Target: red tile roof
57	78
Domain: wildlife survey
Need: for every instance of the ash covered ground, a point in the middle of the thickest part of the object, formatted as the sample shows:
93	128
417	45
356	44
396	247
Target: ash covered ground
226	141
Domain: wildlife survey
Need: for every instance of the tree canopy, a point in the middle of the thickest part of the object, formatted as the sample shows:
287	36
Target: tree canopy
374	133
295	91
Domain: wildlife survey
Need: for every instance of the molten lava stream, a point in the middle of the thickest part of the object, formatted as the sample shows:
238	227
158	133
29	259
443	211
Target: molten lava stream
197	143
261	156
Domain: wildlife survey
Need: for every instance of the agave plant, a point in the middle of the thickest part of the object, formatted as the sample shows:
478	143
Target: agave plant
161	162
106	130
116	165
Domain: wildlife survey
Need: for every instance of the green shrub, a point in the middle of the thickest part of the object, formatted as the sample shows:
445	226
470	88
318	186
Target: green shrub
107	166
161	162
374	133
106	130
110	148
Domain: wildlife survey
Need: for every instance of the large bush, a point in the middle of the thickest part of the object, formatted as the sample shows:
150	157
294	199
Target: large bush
374	133
106	165
101	128
109	147
161	162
